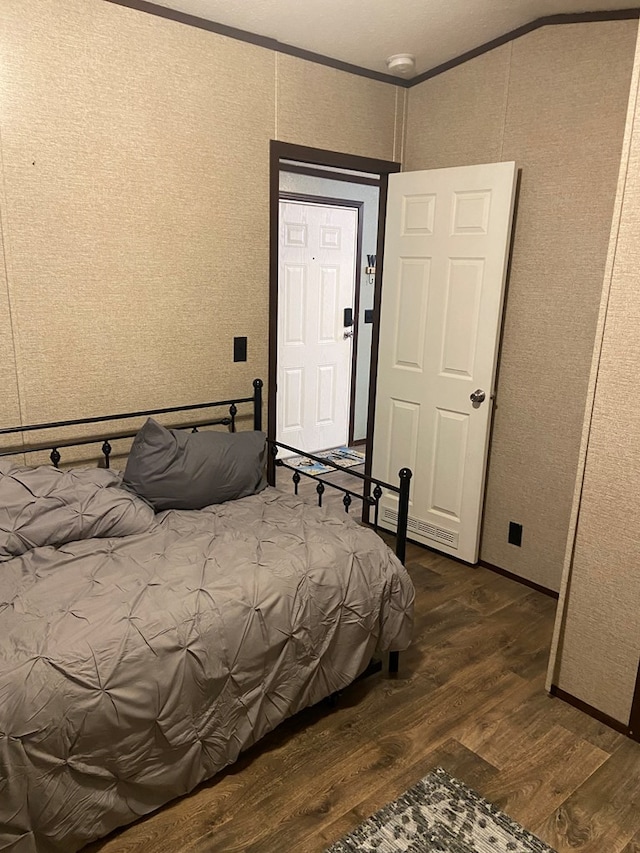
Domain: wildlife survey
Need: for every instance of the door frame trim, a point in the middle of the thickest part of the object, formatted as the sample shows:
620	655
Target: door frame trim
297	169
358	206
338	160
634	717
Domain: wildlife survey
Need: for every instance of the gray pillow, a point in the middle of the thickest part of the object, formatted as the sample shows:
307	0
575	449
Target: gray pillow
45	506
177	469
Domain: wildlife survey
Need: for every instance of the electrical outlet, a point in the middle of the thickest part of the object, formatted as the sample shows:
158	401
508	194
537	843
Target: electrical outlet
515	534
240	349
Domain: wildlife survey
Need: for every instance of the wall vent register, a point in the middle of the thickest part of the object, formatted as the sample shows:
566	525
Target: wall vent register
430	531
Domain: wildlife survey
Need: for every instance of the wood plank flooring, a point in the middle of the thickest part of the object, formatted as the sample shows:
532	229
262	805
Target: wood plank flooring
469	697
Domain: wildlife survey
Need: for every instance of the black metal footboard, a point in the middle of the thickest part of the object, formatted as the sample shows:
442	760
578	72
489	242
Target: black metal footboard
370	498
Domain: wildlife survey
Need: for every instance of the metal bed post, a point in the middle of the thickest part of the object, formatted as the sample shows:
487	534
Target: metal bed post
257	404
403	513
401	542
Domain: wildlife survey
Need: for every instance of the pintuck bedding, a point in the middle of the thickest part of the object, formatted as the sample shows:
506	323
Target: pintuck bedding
138	660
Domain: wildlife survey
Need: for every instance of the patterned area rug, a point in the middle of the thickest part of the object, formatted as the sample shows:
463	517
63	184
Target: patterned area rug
345	457
440	815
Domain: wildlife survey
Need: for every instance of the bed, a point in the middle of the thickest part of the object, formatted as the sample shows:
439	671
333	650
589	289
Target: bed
144	644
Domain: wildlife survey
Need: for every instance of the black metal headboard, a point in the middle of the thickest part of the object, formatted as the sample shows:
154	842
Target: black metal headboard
372	488
55	444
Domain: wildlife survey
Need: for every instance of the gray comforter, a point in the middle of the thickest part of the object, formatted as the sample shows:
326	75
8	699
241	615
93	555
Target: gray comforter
134	667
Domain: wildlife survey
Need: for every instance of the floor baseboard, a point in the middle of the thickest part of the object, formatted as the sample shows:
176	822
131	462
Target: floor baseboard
525	581
600	716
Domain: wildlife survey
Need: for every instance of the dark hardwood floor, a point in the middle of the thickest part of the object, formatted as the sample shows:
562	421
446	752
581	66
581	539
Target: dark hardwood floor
469	697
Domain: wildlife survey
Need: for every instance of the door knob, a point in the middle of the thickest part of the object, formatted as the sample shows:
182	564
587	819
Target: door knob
478	396
348	334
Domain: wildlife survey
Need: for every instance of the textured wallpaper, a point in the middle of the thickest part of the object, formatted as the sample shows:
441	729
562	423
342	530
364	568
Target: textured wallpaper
136	204
599	630
135	210
555	102
325	108
457	118
136	178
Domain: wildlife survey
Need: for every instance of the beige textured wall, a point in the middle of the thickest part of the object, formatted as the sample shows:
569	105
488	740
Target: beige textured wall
135	156
136	203
325	108
555	102
457	118
598	627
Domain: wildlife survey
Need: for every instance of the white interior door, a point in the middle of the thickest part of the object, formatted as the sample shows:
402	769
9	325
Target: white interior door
446	252
316	282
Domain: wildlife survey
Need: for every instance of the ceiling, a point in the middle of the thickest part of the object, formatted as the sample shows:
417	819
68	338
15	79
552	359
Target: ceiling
366	32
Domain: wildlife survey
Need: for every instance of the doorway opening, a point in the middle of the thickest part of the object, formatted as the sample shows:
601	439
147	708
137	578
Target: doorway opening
298	172
320	254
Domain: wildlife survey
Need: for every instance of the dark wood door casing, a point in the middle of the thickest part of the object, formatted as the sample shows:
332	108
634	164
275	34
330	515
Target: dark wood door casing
338	160
634	719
